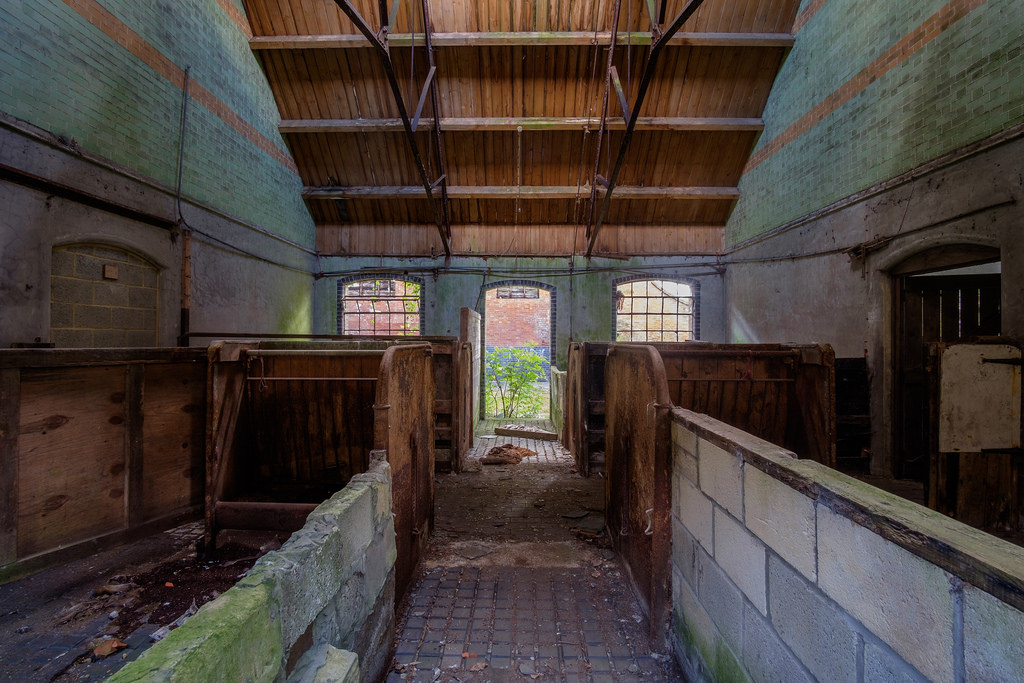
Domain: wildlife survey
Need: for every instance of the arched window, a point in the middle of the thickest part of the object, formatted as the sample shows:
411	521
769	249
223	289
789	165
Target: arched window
384	306
655	311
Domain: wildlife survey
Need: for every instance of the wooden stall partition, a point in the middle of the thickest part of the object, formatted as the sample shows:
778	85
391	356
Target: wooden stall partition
404	427
572	409
638	477
464	403
96	447
782	393
469	333
584	405
288	428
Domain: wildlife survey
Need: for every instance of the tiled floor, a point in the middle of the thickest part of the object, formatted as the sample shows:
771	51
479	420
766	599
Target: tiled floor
517	586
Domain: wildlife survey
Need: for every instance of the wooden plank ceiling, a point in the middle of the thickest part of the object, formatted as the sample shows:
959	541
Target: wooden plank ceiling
520	87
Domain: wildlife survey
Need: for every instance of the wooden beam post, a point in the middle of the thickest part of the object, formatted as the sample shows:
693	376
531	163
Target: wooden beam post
133	450
645	81
10	412
396	90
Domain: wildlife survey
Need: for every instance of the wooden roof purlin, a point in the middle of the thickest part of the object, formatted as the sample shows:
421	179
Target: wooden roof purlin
440	214
493	126
659	40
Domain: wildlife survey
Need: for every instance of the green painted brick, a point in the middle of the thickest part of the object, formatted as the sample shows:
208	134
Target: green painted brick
64	75
961	87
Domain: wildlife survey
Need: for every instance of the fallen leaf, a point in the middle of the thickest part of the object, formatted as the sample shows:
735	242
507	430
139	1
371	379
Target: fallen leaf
596	574
479	666
108	647
536	676
467	655
169	585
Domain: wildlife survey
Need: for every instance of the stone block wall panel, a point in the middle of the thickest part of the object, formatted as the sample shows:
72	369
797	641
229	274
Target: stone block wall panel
826	578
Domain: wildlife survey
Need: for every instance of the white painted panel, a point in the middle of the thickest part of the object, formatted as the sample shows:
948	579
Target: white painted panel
979	401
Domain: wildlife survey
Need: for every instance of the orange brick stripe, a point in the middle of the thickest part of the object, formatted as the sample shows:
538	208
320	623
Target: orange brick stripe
113	27
931	28
236	16
806	15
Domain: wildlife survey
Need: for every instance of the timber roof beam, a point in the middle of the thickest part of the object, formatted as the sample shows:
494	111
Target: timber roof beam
519	192
537	38
528	123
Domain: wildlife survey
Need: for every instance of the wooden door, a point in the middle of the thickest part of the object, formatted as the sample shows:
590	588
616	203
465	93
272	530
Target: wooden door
933	309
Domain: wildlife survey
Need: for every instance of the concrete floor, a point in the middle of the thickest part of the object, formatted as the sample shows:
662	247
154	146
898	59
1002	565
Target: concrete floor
519	584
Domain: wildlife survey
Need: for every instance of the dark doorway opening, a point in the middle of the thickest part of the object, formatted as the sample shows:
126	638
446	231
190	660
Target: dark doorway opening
947	304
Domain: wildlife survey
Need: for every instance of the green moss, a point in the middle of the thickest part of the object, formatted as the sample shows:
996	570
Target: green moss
232	638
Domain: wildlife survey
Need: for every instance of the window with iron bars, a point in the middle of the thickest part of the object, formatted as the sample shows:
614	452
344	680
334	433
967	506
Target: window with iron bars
379	307
518	292
655	311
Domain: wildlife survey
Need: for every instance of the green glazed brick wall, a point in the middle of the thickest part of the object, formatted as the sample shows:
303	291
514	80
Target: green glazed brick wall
60	72
960	86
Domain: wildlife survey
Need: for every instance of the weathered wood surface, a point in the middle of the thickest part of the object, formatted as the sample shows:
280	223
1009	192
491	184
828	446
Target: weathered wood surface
982	488
290	423
85	437
469	333
638	473
404	427
783	394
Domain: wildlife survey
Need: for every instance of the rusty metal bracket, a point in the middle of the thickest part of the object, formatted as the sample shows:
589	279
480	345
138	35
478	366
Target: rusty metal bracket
657	45
396	90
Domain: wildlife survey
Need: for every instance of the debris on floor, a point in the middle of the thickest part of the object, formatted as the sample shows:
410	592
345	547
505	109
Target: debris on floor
88	618
526	431
506	454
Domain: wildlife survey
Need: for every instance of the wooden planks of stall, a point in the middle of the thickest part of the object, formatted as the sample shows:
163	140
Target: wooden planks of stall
291	422
782	393
638	469
404	427
97	447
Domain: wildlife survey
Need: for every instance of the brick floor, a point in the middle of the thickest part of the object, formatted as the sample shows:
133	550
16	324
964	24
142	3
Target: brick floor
508	589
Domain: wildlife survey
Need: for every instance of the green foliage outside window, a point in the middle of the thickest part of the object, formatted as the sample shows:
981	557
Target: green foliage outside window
511	377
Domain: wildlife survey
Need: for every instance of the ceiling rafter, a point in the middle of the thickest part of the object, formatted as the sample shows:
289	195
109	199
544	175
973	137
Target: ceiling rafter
656	47
385	58
519	191
540	123
521	38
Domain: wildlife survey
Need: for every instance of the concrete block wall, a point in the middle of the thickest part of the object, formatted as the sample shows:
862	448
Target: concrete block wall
320	608
785	570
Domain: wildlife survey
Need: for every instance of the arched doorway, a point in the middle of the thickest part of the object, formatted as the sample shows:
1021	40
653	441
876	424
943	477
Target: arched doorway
518	339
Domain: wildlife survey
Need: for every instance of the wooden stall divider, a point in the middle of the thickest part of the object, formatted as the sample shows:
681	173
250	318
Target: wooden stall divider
782	393
97	447
404	427
290	424
638	474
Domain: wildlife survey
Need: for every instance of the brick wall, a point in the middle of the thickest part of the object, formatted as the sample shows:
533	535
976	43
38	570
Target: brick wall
520	323
102	297
109	78
873	89
784	569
